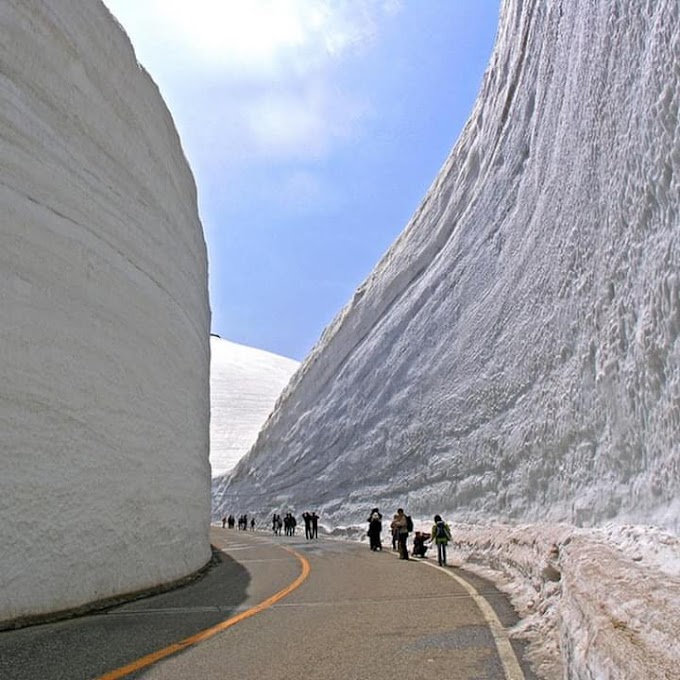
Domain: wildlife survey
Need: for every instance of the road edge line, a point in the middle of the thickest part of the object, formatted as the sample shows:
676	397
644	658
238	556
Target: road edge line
511	667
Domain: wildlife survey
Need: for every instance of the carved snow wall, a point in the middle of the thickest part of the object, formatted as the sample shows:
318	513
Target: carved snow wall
104	320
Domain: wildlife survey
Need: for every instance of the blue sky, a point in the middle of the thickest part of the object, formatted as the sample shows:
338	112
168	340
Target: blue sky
313	129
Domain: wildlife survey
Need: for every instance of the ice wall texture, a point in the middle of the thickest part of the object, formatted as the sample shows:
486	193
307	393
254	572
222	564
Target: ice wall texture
104	320
515	353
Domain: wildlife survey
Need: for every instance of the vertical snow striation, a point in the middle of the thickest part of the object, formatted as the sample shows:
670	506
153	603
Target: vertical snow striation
104	407
515	353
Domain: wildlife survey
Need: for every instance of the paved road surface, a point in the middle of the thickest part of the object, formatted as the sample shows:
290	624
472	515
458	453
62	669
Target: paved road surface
356	614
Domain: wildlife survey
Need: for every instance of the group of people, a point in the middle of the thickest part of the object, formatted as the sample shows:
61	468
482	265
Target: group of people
230	522
401	526
289	523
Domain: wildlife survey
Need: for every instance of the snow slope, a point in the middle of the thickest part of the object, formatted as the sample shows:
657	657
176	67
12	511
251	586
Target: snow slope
104	407
514	356
244	385
515	353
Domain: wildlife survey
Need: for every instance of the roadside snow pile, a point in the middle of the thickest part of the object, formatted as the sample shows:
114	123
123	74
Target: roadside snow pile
600	603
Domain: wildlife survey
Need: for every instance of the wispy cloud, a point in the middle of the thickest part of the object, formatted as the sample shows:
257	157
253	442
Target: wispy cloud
260	36
252	76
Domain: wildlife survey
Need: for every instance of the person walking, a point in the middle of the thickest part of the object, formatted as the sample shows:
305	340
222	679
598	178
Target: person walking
375	529
308	524
400	525
441	535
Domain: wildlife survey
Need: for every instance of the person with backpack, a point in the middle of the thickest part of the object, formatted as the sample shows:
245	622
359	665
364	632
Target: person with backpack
441	535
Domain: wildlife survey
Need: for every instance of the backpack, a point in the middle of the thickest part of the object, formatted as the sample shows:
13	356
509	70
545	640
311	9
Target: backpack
442	531
409	524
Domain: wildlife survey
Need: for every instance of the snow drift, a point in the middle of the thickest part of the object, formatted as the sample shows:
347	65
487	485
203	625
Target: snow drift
514	355
105	484
244	385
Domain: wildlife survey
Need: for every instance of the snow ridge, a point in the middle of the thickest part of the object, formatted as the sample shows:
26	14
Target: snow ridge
244	385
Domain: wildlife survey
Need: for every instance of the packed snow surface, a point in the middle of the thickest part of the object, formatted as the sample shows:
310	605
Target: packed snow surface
104	407
244	385
514	357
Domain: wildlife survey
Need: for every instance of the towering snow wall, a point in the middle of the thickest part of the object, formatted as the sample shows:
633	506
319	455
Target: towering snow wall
515	353
104	320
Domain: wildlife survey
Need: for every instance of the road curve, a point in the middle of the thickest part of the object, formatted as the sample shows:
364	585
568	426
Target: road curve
284	607
359	615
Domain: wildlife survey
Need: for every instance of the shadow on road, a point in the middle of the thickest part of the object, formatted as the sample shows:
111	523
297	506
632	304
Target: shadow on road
89	646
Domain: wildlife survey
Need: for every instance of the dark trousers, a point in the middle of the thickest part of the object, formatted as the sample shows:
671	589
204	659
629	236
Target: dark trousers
403	548
441	553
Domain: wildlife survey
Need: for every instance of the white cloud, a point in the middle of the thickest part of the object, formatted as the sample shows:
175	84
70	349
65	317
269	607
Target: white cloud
254	79
255	36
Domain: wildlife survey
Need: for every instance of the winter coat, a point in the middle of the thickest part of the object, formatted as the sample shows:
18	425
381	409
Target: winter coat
400	524
443	540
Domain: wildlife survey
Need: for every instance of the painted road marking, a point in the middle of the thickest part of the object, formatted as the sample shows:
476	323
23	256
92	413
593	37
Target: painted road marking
208	633
511	666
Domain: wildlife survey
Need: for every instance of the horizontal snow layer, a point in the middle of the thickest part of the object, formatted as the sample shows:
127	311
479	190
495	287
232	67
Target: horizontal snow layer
515	353
104	404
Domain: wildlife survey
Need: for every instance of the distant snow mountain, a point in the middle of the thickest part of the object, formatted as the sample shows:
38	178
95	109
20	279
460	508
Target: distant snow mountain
244	385
515	355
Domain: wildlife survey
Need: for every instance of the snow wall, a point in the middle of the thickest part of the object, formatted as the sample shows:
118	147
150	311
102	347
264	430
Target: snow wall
104	406
515	353
244	385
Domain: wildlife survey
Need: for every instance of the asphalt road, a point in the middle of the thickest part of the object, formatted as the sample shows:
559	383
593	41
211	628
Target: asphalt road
281	608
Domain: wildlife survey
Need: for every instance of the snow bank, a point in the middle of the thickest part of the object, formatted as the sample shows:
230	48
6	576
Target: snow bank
598	603
105	483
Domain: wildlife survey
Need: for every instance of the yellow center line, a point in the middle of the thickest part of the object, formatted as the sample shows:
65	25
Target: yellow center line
206	634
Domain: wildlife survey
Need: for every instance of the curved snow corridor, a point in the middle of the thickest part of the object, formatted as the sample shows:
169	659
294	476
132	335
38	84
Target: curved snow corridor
104	405
515	354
